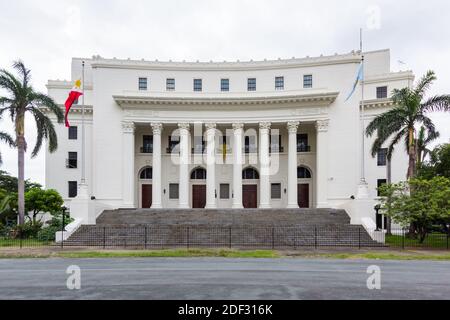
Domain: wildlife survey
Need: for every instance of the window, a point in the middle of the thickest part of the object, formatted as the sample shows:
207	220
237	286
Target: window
173	142
381	157
275	190
73	133
224	191
303	173
72	189
250	173
224	84
279	83
197	84
142	83
250	144
275	143
72	160
170	84
380	182
173	191
198	174
146	173
199	144
381	92
147	144
302	142
251	84
307	81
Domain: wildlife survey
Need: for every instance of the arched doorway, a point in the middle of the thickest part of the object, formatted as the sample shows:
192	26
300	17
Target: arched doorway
145	179
198	178
304	179
250	177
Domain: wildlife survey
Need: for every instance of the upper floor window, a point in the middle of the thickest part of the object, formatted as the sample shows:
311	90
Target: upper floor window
307	81
251	84
147	144
382	92
279	83
275	143
224	84
72	186
173	142
250	144
170	84
302	142
197	84
142	83
73	133
381	157
380	182
72	160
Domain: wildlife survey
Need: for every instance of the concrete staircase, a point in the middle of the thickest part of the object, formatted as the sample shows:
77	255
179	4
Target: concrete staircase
246	228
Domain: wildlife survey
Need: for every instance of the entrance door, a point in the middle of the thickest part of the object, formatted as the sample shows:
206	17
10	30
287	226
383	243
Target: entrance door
249	196
146	195
198	195
303	195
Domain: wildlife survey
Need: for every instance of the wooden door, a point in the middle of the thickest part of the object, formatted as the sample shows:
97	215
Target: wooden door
303	195
146	195
198	196
250	196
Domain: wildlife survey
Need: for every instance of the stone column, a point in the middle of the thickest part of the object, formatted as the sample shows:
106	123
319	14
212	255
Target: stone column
322	164
292	164
184	166
128	174
238	133
264	162
211	201
156	168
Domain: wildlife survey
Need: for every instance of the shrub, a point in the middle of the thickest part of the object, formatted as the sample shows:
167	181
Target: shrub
47	234
27	230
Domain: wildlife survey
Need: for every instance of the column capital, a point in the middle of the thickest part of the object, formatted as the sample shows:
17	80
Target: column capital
128	127
210	126
237	125
322	125
157	127
292	126
264	125
184	125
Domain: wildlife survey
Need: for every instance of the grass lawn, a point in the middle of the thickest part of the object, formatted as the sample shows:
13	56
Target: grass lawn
25	243
432	240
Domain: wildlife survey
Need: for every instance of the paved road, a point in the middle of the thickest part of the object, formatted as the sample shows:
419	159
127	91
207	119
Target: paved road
220	278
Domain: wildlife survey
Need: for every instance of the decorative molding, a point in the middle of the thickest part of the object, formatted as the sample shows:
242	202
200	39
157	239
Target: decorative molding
264	125
322	125
210	126
292	126
184	126
156	127
128	127
377	103
76	108
237	126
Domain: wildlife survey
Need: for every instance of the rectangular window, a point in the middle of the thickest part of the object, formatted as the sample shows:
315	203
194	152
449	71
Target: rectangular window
173	191
224	191
307	81
381	157
224	84
197	84
170	84
279	83
380	182
142	83
73	133
199	144
382	92
250	144
275	143
275	190
251	84
173	142
72	160
302	143
147	144
72	189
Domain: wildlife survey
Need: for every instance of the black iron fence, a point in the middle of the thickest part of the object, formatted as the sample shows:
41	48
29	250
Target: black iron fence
239	237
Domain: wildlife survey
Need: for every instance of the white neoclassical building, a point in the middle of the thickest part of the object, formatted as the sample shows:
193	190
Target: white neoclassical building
266	134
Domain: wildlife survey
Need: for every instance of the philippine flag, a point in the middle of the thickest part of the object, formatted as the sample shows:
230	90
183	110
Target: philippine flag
74	94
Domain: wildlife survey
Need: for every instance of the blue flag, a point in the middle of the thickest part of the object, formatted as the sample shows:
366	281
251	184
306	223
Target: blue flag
359	77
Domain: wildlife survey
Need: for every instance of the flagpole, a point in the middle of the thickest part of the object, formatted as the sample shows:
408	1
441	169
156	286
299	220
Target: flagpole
83	142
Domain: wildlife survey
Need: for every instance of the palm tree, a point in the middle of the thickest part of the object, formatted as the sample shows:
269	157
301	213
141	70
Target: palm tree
7	139
422	143
21	98
400	122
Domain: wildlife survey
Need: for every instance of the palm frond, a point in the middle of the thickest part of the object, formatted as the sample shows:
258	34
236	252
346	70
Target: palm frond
41	99
437	103
386	121
23	71
5	137
45	130
10	83
394	142
424	83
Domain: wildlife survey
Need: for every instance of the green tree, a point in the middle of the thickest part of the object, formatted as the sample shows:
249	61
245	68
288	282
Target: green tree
4	137
20	99
38	200
399	123
422	142
9	183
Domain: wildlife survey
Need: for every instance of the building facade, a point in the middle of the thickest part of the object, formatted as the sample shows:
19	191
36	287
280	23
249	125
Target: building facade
266	134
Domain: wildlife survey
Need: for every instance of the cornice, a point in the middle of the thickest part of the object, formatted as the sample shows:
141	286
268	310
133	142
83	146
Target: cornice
393	76
64	84
377	103
88	109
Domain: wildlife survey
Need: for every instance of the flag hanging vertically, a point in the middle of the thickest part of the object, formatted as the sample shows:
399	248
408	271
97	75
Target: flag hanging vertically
359	77
74	94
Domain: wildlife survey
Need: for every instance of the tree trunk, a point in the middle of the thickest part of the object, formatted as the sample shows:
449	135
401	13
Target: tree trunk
412	155
21	147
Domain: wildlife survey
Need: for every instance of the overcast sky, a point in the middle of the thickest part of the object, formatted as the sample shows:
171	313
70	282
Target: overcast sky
47	34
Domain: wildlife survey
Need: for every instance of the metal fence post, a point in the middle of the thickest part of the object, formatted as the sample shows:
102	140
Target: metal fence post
20	239
273	238
187	237
359	238
315	237
104	237
403	238
448	234
230	237
145	240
